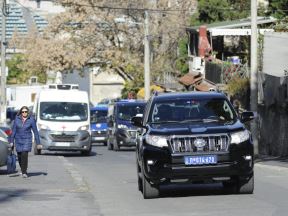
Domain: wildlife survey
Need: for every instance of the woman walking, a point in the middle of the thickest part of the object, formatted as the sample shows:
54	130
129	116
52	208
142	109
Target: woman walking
21	137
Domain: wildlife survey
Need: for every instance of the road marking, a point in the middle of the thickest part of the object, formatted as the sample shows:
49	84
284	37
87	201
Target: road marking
81	184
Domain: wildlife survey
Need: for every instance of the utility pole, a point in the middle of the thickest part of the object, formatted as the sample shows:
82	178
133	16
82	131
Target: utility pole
3	63
146	57
254	74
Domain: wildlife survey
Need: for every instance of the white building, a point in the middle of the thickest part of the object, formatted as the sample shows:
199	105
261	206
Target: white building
18	96
44	8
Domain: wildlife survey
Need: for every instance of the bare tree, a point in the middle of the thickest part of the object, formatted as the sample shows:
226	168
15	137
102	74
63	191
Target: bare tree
111	32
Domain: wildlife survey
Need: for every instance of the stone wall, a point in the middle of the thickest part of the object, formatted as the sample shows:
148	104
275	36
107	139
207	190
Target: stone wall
273	117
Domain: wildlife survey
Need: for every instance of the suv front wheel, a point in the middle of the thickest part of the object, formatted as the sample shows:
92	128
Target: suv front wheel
149	191
246	185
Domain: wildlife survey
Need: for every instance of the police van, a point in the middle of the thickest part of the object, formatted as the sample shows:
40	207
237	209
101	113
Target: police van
62	113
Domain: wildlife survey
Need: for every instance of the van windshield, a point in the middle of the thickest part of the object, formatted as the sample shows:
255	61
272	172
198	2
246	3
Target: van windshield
126	112
98	116
63	111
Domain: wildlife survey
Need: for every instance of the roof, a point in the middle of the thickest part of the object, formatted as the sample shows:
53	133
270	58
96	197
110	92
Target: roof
240	23
189	79
197	81
54	95
189	95
99	108
205	85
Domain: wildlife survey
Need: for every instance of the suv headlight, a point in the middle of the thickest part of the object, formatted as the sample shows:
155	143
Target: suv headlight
240	136
122	126
83	128
159	141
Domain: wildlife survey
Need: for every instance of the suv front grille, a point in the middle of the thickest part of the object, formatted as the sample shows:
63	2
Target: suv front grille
200	143
63	137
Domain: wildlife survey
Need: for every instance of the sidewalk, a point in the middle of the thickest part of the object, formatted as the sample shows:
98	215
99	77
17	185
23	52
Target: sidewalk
280	162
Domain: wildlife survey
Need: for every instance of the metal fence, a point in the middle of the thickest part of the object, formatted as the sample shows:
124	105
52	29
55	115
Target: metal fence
224	72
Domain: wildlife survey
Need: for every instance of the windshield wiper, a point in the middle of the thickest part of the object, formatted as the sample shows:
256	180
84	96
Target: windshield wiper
199	120
163	122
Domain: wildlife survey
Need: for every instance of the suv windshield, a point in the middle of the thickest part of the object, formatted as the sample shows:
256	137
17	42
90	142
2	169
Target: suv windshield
185	110
127	111
63	111
98	116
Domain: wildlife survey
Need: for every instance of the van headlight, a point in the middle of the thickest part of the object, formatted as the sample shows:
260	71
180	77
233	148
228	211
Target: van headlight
43	127
83	128
240	136
159	141
122	126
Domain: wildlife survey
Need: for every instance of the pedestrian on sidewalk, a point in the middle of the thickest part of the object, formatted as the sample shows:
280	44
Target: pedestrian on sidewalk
21	137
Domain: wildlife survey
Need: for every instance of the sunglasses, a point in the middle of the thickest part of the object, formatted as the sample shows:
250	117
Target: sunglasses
24	111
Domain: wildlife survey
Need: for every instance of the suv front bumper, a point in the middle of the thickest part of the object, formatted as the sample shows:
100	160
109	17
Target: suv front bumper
159	163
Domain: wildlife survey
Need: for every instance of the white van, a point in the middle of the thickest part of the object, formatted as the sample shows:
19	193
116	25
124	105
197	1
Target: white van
63	120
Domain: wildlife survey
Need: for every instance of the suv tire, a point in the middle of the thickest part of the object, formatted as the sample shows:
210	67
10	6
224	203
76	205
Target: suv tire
246	186
149	191
139	177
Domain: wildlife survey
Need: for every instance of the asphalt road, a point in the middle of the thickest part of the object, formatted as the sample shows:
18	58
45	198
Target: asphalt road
105	184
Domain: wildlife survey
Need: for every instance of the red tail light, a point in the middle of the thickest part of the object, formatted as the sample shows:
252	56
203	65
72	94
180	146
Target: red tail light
8	132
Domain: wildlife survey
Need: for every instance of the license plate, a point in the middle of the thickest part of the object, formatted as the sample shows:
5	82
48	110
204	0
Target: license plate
62	144
200	160
98	138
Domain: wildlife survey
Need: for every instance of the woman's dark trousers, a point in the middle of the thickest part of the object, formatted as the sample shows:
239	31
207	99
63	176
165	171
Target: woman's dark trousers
23	161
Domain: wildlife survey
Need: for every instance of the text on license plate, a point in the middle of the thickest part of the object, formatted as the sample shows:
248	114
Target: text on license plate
63	144
199	160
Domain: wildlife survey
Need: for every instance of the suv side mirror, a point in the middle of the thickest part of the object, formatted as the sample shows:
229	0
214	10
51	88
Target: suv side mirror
137	121
247	116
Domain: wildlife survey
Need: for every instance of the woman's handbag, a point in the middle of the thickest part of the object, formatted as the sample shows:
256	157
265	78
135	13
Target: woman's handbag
11	162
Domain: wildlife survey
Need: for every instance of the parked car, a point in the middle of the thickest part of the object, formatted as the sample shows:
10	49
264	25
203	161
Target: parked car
120	130
6	128
98	124
193	137
4	148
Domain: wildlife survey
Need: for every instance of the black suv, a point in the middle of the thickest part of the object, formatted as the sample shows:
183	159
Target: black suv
120	130
193	137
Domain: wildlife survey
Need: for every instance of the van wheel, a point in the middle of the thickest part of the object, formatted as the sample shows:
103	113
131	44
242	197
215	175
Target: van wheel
105	143
88	152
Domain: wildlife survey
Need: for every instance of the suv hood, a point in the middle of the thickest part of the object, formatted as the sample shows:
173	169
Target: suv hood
195	128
